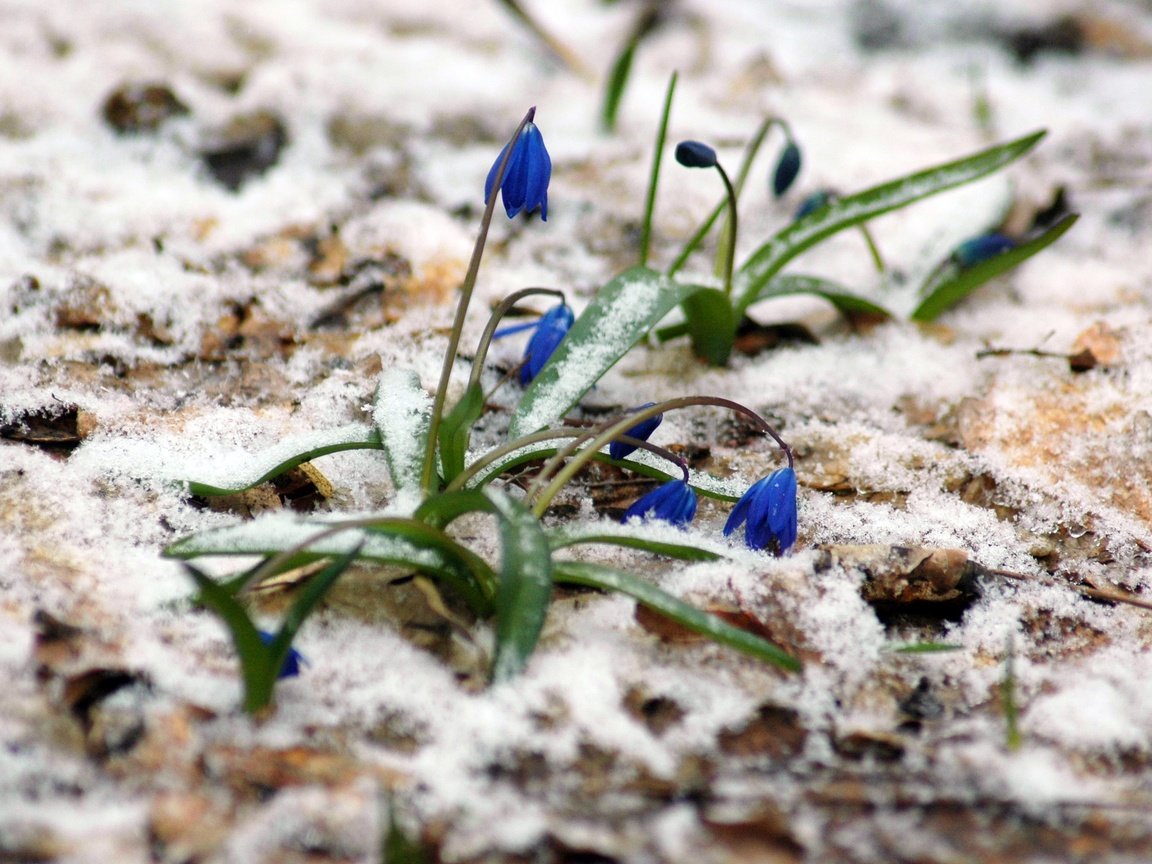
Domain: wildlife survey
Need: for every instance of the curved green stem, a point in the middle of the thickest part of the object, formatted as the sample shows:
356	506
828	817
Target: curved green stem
654	178
547	486
494	321
427	476
726	251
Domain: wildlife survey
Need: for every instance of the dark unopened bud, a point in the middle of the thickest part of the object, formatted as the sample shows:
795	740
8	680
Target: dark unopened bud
694	154
817	200
786	169
982	248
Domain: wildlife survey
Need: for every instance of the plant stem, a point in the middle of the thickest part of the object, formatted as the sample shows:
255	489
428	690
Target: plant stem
726	251
427	477
546	486
494	321
654	177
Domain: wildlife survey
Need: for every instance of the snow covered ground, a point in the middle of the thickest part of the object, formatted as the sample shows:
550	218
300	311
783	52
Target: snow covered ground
168	290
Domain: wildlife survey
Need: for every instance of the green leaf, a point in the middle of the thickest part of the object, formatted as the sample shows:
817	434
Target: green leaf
310	596
288	454
455	430
804	233
620	315
949	283
614	91
256	666
846	302
525	586
925	648
402	415
610	579
654	176
711	325
576	534
388	540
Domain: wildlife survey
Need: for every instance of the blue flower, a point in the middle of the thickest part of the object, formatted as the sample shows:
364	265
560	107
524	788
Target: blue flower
694	154
291	667
769	509
786	169
815	201
673	502
982	248
642	430
551	329
525	185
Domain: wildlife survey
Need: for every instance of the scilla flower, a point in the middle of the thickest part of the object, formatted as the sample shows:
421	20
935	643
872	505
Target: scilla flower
673	502
695	154
551	329
768	512
982	248
642	430
525	184
291	667
786	169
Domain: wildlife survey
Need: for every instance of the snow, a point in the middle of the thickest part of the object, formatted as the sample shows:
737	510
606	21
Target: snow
134	229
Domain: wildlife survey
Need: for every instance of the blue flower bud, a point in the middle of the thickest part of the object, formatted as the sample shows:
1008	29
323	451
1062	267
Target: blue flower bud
642	430
525	184
786	169
291	666
768	512
551	329
818	199
982	248
694	154
673	502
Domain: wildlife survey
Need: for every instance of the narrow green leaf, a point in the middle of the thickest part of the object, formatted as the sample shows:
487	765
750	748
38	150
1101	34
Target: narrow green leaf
573	537
949	283
654	176
455	430
846	302
311	595
711	325
387	540
402	415
610	579
845	212
620	315
256	660
288	454
925	648
525	586
614	91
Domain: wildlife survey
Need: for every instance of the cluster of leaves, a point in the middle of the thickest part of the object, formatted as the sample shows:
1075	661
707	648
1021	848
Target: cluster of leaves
438	478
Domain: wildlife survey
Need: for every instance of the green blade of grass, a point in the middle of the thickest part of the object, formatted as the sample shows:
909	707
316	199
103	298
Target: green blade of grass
925	648
851	210
577	535
654	177
696	620
846	302
950	283
621	314
622	66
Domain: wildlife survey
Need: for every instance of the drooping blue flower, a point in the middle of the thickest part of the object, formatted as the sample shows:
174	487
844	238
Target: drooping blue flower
291	666
525	184
673	502
787	169
819	198
551	329
695	154
768	512
982	248
642	430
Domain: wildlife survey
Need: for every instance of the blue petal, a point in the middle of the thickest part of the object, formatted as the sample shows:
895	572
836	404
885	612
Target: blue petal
291	666
815	201
982	248
642	430
768	512
537	171
551	330
740	511
673	502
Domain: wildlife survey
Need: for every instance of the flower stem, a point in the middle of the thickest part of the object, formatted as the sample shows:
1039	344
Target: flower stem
553	477
428	475
726	251
494	321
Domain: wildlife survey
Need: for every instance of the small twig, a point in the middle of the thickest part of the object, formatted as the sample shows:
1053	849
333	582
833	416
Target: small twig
1084	590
